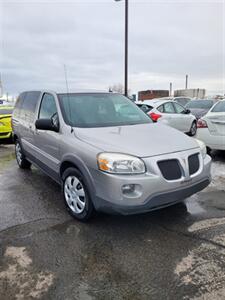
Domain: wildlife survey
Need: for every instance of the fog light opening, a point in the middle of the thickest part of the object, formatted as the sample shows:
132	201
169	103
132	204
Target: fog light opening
128	188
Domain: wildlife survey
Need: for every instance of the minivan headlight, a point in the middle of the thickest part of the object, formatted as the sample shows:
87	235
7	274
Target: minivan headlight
202	147
117	163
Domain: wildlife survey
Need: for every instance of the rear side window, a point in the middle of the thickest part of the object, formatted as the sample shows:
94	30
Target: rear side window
161	108
167	108
29	105
18	105
31	100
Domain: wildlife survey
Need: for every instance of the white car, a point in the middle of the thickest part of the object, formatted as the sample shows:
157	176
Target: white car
211	127
181	100
170	113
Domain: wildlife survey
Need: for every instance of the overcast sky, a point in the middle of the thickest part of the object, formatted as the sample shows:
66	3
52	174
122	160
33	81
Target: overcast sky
168	39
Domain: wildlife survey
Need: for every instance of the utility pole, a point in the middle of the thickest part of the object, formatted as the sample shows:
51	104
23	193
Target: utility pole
126	47
186	82
171	88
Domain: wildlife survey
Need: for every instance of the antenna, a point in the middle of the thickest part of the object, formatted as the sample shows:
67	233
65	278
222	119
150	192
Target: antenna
67	87
68	98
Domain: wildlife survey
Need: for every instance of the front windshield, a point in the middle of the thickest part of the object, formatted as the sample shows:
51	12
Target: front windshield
219	107
100	110
201	104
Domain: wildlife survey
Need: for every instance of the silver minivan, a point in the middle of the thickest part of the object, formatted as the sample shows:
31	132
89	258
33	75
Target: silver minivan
107	153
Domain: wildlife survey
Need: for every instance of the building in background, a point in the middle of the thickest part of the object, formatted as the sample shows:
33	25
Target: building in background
151	94
192	93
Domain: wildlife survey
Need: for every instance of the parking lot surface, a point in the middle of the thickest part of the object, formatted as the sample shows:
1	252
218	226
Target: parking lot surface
174	253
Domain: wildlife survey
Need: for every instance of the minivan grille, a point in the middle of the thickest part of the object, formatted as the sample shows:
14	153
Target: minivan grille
170	169
193	163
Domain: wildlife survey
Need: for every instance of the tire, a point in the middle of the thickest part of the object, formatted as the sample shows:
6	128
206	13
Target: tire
20	157
193	129
209	151
76	195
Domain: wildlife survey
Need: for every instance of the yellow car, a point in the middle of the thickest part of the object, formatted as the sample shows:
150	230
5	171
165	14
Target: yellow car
5	121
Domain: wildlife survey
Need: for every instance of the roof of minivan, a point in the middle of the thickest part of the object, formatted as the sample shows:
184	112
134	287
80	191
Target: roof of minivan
71	92
86	92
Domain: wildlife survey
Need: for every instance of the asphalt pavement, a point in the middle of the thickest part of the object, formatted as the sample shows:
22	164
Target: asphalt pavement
174	253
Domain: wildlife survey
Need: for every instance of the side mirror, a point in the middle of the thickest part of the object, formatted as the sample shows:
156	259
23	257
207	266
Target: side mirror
47	124
187	111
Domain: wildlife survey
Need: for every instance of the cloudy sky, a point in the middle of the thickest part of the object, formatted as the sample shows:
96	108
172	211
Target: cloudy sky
168	39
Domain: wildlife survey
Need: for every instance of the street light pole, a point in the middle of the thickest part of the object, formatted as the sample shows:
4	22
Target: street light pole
126	48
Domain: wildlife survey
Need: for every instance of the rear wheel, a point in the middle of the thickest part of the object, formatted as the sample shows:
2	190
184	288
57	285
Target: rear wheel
193	129
20	158
76	195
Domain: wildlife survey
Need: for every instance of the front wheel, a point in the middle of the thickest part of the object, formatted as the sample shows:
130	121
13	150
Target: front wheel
76	195
193	129
209	151
20	158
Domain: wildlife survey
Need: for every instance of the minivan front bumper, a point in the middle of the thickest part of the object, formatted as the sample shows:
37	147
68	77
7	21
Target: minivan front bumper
153	191
154	202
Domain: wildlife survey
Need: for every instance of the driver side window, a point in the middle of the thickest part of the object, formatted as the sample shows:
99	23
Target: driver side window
179	108
48	107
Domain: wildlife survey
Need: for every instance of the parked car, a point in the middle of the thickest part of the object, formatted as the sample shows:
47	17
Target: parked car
200	107
182	100
170	113
107	158
211	127
5	122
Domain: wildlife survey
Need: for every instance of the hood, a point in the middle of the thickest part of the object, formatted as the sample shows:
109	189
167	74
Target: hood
142	140
198	112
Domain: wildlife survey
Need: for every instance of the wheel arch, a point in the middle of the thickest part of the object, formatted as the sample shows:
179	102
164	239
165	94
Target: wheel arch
15	137
77	163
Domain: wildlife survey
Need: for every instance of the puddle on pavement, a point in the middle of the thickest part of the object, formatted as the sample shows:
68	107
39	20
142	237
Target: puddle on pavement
6	159
193	207
20	279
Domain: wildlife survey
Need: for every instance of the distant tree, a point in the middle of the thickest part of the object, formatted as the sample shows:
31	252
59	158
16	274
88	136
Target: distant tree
118	88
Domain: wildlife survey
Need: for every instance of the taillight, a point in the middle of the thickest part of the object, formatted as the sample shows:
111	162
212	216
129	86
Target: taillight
155	116
202	124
